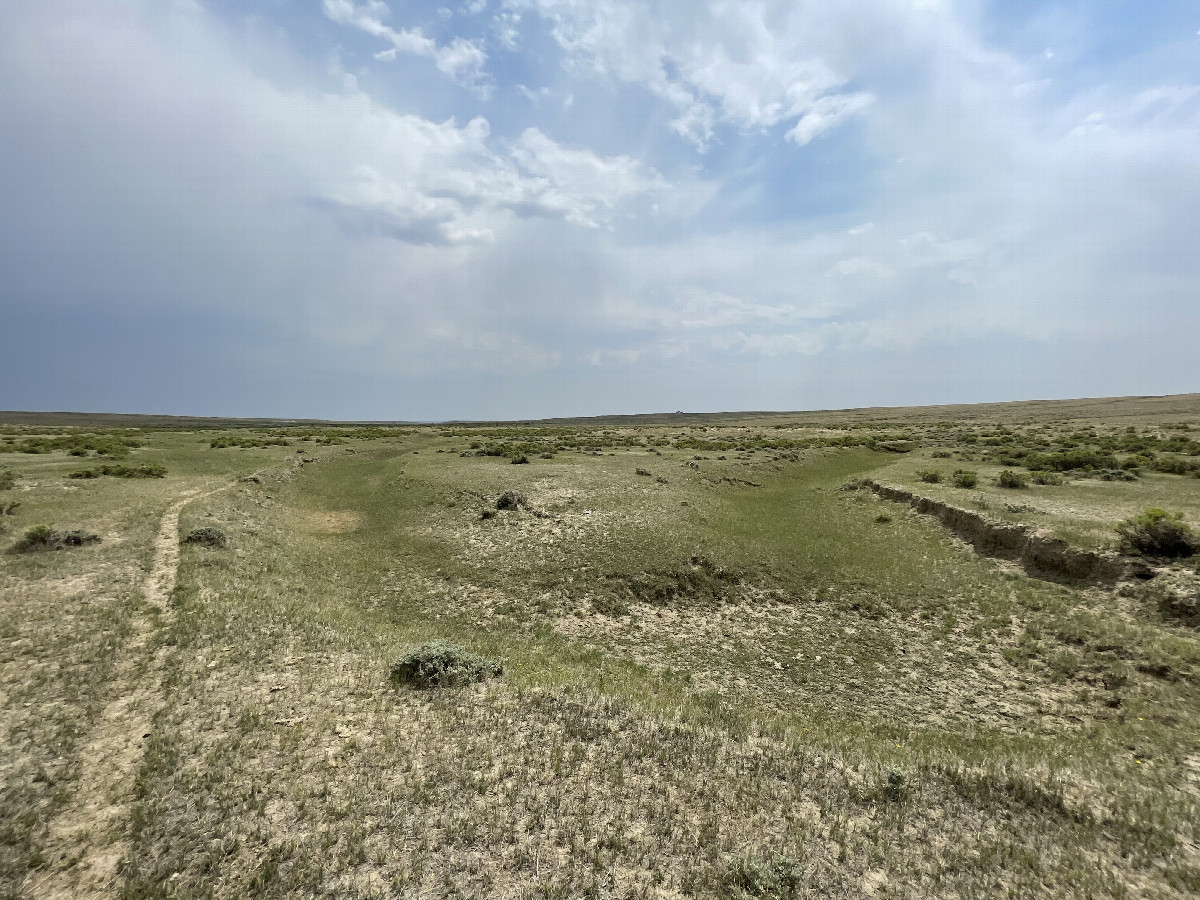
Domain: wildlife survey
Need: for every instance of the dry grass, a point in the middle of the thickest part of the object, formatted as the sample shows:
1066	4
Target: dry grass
737	681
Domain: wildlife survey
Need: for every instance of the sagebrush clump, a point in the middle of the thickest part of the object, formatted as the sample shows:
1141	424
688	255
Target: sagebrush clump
777	879
118	471
929	476
1010	479
511	500
1157	532
44	537
206	536
442	664
1051	478
964	478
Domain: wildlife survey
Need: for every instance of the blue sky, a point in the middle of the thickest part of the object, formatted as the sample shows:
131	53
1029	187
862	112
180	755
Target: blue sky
520	208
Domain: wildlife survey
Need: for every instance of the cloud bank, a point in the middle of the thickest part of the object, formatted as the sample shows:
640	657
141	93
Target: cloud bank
536	207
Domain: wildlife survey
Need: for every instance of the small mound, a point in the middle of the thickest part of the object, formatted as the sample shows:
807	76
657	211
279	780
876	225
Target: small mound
442	664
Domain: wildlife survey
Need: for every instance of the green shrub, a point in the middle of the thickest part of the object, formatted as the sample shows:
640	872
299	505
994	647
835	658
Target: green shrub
206	537
1173	465
146	471
221	443
521	460
1157	532
442	664
1045	478
1010	479
929	476
511	500
895	787
44	537
7	480
777	879
1066	460
965	478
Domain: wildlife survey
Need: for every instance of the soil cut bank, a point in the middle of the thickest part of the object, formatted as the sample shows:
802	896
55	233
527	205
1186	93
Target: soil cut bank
1041	555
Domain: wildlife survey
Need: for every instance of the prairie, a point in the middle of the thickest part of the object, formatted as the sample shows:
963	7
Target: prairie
727	669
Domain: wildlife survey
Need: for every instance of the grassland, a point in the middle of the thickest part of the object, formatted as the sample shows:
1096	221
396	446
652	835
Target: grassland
724	674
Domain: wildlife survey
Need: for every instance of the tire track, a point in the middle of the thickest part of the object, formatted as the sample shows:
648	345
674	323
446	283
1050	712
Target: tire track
88	838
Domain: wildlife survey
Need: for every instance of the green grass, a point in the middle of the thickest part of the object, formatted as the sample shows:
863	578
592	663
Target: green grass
740	679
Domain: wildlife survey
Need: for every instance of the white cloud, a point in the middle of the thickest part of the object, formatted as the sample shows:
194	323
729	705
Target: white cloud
826	113
749	66
461	59
203	174
578	182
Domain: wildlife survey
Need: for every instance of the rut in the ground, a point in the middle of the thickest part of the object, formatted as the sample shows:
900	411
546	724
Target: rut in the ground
87	838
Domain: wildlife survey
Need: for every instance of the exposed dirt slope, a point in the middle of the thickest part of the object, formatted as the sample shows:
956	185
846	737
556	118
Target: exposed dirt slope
1041	555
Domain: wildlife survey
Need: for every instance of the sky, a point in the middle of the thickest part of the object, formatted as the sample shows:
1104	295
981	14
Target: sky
498	209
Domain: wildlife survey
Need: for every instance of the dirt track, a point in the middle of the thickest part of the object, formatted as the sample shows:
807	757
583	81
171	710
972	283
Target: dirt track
87	838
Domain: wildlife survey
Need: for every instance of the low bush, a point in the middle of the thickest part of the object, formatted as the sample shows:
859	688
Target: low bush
929	476
1067	460
777	879
511	500
146	471
206	537
964	478
220	443
44	537
442	664
1174	465
1010	479
521	460
1045	478
1157	532
894	788
7	480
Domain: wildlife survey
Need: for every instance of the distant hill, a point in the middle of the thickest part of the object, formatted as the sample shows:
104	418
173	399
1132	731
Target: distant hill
1107	408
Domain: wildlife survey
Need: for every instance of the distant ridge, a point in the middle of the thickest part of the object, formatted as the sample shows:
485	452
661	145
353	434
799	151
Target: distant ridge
1108	408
